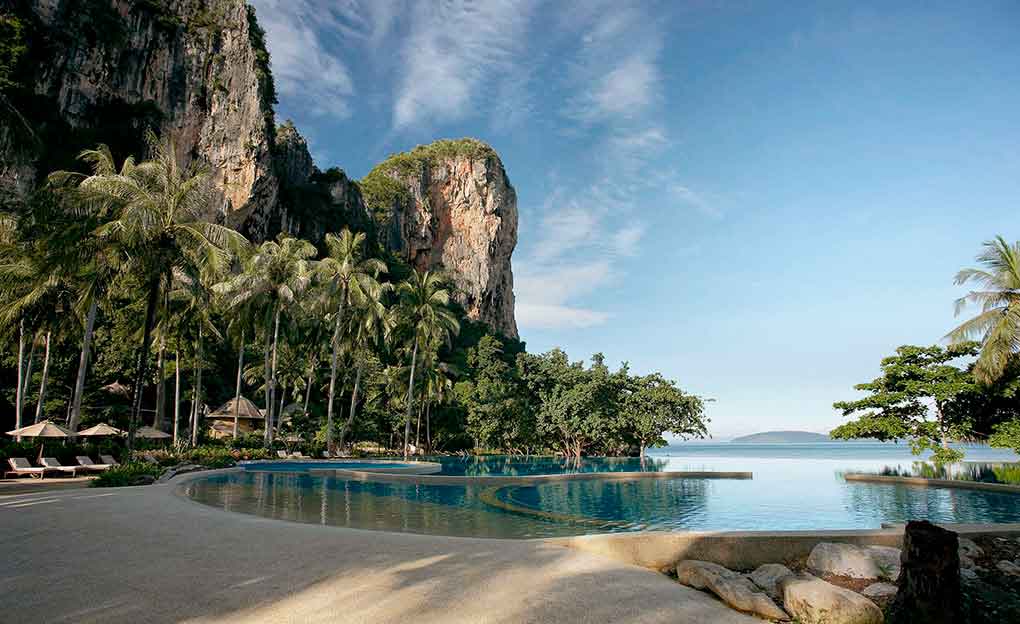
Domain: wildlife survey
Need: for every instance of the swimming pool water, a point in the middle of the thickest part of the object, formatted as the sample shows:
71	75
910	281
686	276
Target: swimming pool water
291	465
786	493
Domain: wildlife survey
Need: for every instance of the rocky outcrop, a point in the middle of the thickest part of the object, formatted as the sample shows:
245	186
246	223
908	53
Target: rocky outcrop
196	70
450	206
843	560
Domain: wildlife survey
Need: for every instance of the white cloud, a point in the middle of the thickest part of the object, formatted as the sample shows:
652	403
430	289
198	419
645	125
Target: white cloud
302	66
540	316
543	293
698	201
455	52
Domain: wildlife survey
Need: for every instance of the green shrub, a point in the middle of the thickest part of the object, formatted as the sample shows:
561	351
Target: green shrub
127	474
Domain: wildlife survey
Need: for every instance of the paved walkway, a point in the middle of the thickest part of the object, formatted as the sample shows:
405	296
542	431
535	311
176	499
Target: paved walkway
146	554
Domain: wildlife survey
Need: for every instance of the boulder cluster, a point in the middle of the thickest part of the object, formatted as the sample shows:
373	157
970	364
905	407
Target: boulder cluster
775	592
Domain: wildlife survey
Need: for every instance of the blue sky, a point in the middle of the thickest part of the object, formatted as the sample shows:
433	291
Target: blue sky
760	200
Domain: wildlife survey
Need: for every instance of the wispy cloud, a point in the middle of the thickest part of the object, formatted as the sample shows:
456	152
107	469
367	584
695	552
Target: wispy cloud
453	48
302	65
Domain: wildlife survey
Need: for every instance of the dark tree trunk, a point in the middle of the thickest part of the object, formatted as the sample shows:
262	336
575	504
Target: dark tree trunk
929	583
21	375
354	405
410	401
157	421
237	389
143	361
83	363
39	407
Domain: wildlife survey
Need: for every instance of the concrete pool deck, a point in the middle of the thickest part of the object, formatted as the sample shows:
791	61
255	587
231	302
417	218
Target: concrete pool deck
146	554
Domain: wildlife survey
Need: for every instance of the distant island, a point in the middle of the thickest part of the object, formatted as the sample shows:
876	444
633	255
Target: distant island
782	437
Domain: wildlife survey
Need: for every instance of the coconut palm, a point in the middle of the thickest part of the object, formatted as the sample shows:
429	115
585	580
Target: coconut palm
426	316
153	213
368	323
998	324
350	278
272	279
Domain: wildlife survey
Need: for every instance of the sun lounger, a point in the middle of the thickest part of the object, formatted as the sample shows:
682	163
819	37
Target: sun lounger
52	464
282	454
108	460
21	467
85	462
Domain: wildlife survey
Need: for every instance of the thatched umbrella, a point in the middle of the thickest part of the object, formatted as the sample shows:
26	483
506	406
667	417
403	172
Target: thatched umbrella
44	429
100	430
151	434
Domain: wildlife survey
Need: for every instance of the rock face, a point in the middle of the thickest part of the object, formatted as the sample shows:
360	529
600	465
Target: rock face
813	601
450	206
198	72
195	70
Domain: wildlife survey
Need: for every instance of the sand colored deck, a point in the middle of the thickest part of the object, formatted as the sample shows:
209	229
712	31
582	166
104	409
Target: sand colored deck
153	556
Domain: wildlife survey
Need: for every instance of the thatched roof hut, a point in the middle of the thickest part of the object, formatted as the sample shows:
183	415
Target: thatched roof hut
246	410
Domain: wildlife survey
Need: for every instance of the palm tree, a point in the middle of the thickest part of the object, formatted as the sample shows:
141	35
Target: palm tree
424	311
367	324
350	278
153	214
998	324
194	310
275	275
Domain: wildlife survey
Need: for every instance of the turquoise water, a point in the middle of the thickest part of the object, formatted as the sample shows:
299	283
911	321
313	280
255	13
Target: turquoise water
794	487
291	465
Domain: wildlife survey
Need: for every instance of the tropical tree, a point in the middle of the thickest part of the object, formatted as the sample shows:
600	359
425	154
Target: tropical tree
424	311
350	277
916	384
152	215
272	279
368	322
998	324
654	405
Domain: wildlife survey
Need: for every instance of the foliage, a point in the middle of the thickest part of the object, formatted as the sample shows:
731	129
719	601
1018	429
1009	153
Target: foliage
998	324
12	49
267	87
385	185
127	474
1007	435
654	405
917	383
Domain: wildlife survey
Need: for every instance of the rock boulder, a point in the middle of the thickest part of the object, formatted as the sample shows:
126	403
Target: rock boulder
813	601
843	560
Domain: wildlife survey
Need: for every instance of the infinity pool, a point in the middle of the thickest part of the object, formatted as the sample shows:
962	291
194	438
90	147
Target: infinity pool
786	493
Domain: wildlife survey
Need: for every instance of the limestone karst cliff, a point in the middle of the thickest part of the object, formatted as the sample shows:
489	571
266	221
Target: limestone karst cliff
198	71
450	205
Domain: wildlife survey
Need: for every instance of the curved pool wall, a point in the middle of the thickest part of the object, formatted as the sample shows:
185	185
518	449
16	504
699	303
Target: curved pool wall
781	496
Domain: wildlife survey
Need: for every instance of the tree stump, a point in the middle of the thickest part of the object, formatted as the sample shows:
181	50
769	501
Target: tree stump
929	583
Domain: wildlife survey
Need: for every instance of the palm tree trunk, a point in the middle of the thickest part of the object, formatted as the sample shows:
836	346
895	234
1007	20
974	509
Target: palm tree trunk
272	380
428	432
308	391
28	378
354	405
265	374
417	429
332	378
45	376
157	420
283	398
410	400
177	394
21	374
83	364
143	361
237	389
198	392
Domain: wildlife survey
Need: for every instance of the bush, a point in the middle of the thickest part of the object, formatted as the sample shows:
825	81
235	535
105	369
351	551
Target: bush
132	473
208	456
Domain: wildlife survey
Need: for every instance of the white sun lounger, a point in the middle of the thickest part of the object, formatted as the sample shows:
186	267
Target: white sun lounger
85	462
52	464
20	467
108	460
